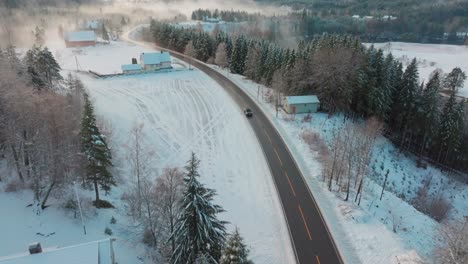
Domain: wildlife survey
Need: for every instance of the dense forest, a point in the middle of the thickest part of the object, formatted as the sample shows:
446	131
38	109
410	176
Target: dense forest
414	20
349	78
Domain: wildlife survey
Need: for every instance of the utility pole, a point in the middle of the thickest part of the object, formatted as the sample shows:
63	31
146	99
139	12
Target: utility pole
79	207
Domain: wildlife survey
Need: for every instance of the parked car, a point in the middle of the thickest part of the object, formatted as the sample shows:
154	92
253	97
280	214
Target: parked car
248	112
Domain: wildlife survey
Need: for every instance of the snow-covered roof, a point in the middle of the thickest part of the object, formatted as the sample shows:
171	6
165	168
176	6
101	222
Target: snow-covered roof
80	36
305	99
97	252
155	57
131	67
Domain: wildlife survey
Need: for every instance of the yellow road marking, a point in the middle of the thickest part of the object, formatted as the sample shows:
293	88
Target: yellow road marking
278	157
305	224
317	258
290	185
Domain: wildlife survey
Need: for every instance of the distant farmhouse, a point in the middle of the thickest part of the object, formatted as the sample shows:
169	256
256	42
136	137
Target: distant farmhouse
301	104
93	25
97	252
80	39
149	61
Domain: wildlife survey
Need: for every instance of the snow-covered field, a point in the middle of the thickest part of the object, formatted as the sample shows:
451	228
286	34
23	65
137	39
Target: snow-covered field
182	112
430	57
368	230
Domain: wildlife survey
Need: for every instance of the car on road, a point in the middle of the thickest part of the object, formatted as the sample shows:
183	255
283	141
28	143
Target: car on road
248	112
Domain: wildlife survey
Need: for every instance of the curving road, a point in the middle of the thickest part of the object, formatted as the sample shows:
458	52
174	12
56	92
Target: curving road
310	237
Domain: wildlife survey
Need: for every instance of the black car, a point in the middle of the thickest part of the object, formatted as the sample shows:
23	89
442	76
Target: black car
248	112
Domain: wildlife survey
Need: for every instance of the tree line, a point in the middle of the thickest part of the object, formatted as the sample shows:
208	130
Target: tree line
416	21
224	15
48	128
348	78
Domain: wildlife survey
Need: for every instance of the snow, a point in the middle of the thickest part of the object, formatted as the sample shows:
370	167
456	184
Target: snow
305	99
367	230
90	253
209	123
430	57
182	111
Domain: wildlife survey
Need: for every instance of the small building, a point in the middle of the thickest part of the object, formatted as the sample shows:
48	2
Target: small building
154	61
96	252
80	39
93	25
301	104
131	68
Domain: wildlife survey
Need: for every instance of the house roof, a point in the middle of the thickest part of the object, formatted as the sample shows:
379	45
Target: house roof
305	99
131	67
80	36
89	253
155	57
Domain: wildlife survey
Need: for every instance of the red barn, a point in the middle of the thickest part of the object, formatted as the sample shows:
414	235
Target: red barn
80	39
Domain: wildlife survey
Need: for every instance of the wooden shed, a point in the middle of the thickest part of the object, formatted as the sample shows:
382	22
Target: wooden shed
301	104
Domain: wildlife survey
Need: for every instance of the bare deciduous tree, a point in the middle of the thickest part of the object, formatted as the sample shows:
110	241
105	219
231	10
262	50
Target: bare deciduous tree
454	247
221	56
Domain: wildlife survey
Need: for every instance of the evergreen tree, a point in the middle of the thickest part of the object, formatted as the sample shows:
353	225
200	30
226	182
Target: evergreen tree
198	231
407	99
236	251
35	79
450	129
39	35
105	34
238	56
428	113
98	155
48	67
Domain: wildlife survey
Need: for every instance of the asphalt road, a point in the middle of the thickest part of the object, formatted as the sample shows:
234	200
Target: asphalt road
310	237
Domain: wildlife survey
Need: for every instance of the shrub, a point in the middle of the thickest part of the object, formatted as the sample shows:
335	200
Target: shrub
113	221
108	231
13	186
307	118
102	204
439	209
71	204
148	238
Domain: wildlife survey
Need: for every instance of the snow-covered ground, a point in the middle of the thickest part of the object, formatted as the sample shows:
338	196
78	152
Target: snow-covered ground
430	57
182	112
367	230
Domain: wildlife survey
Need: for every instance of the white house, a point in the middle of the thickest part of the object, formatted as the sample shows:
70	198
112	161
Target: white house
301	104
154	61
96	252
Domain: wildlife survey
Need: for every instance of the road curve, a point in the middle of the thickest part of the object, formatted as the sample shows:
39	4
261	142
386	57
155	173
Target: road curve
310	237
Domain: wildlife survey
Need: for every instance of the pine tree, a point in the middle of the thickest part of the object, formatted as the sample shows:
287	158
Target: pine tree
198	231
407	99
105	34
98	155
236	251
48	67
428	113
35	79
449	129
39	36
